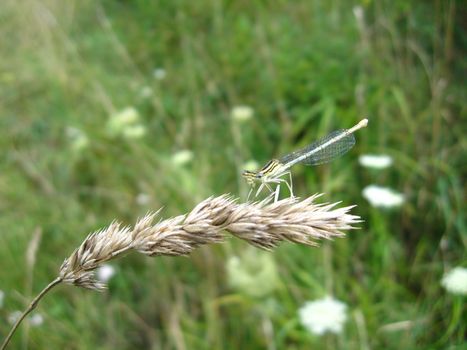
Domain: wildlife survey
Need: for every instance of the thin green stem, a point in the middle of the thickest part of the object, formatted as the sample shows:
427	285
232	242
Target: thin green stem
31	307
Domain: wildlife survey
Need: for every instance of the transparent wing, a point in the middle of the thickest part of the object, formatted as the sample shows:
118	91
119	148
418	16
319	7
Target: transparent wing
325	154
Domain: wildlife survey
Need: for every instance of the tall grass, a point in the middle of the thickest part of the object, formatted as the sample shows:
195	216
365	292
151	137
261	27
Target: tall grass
306	67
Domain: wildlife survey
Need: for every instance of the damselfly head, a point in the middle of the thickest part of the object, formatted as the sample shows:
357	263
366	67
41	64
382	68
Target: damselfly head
250	176
258	176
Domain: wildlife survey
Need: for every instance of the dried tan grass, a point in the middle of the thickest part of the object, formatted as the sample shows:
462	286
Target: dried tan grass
262	224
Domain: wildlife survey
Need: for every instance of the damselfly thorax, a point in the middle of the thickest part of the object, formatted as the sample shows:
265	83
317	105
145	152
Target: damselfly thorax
271	173
322	151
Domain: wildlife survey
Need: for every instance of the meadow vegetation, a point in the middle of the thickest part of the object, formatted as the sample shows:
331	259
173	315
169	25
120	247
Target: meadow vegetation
110	109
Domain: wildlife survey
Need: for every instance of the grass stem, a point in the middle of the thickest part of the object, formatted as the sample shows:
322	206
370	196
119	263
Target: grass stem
31	307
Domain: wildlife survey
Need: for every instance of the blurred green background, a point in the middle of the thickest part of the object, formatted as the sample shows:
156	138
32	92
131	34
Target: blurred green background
109	109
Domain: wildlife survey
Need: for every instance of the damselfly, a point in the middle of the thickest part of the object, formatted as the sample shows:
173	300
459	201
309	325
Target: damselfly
322	151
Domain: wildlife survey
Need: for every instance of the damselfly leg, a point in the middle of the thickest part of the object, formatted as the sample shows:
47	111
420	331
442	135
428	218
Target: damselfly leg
249	193
277	180
264	184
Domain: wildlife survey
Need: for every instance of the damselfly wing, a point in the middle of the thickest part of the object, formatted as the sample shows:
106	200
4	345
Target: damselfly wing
316	154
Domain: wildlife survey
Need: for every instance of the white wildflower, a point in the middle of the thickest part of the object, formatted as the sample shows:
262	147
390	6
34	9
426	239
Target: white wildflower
375	161
455	281
182	157
105	273
253	273
323	315
143	199
14	316
241	113
2	297
382	197
36	320
159	73
78	139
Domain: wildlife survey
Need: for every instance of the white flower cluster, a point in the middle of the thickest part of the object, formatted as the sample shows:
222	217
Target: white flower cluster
382	197
14	316
455	281
143	199
146	92
380	161
159	73
34	320
323	315
105	273
378	196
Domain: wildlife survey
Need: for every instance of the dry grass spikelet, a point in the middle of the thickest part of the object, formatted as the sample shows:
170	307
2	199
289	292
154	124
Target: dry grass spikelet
97	248
262	224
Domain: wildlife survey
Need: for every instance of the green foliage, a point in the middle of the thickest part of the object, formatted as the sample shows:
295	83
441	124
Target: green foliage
306	67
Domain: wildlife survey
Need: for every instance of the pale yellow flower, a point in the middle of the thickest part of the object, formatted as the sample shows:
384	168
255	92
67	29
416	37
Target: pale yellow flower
241	113
250	165
253	273
134	131
182	157
127	116
126	123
